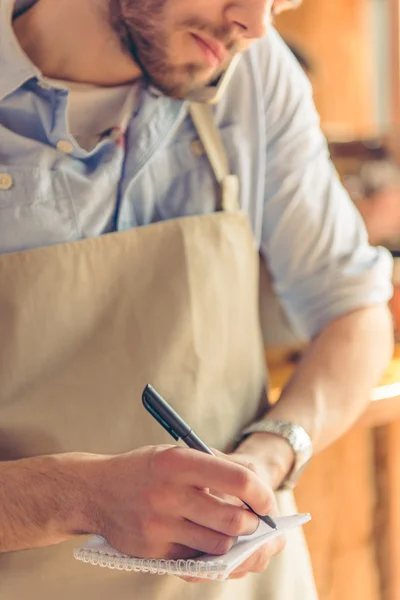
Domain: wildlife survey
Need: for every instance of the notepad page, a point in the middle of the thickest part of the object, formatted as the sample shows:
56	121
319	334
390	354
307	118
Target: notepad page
247	545
97	551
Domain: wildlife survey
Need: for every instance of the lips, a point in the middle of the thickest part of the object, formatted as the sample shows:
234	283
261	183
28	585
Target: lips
214	52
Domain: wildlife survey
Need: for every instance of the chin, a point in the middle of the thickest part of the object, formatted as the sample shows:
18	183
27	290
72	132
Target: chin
182	87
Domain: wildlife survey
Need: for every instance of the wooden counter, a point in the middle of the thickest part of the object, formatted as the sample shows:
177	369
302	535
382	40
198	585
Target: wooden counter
352	490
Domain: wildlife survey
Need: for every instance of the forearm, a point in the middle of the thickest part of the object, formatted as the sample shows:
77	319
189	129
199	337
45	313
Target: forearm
41	500
331	386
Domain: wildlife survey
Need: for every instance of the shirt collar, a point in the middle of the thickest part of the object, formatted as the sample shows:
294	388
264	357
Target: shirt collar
15	66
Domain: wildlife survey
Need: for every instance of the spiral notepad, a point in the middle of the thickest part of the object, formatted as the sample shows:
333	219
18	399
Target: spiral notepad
98	552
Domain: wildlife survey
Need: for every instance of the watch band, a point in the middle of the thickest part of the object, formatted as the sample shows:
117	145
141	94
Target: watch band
297	438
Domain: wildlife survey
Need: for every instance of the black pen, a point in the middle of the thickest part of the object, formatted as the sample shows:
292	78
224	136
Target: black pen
172	422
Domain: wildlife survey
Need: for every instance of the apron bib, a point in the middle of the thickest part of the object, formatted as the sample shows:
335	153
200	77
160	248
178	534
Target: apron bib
86	325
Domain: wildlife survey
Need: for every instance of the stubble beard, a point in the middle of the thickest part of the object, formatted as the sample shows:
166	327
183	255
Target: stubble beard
139	26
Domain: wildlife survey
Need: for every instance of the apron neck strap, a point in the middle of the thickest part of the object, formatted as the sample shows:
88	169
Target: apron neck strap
210	136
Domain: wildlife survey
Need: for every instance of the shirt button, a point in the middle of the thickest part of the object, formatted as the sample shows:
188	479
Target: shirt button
65	147
6	181
197	148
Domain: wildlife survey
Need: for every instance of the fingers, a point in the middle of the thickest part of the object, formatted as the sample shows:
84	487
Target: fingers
189	467
166	537
226	498
259	561
199	507
193	579
216	514
202	539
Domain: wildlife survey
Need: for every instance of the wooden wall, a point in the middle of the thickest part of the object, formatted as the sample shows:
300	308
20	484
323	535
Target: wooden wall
336	35
339	491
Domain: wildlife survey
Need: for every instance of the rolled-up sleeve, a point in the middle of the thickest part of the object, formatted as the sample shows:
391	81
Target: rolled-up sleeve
313	238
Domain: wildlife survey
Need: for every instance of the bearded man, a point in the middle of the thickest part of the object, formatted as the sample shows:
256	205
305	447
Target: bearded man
152	153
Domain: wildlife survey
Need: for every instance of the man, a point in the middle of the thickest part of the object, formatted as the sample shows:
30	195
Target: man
97	137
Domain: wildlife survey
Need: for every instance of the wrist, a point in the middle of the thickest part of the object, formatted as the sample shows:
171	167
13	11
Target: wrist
273	452
80	474
102	479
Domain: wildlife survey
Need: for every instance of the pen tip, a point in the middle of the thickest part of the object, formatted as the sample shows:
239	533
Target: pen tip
267	519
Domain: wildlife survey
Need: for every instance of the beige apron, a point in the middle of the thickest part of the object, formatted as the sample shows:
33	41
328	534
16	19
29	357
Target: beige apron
85	325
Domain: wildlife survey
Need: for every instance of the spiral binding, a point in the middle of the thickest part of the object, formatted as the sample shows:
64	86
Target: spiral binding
191	568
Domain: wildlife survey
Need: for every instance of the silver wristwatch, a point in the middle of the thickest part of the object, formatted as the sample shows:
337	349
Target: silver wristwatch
297	438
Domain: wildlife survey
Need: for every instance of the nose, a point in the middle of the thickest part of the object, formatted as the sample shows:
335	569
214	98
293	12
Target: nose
252	17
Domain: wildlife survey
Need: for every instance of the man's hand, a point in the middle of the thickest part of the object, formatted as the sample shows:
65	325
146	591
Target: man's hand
154	502
259	561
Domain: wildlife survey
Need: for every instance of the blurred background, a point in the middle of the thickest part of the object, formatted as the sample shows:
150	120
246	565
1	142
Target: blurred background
350	50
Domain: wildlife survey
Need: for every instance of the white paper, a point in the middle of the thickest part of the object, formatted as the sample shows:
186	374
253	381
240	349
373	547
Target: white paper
97	551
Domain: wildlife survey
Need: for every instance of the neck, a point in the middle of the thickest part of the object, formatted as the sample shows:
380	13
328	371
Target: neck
73	40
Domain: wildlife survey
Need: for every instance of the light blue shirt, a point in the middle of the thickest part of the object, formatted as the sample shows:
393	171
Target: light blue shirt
307	229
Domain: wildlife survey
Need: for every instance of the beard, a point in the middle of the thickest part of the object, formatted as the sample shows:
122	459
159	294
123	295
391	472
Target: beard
139	25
